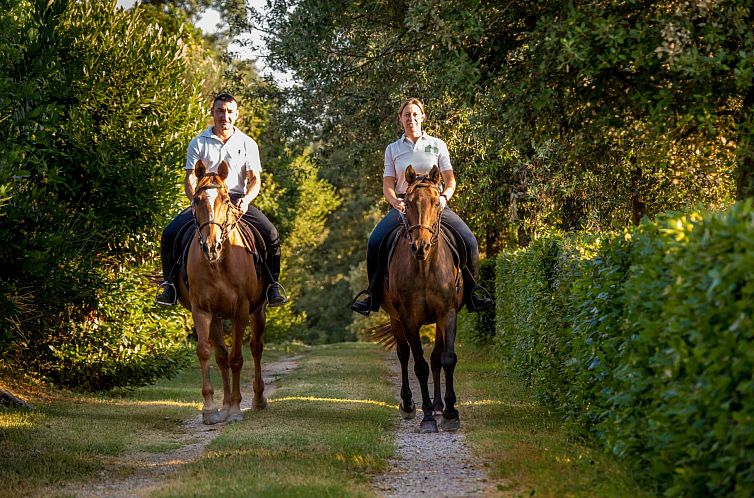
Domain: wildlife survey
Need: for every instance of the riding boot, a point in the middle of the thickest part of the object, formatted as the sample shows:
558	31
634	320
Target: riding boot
168	296
473	299
372	300
274	297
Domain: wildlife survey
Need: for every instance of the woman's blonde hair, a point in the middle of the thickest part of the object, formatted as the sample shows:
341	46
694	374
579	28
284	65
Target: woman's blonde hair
411	101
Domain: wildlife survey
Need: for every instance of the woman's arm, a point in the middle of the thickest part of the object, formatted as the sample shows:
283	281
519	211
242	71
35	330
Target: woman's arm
388	190
449	180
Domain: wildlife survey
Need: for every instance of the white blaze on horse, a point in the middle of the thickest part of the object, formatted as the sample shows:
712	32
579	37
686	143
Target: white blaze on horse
223	283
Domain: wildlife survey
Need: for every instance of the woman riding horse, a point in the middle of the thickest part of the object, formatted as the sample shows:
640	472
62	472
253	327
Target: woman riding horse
421	151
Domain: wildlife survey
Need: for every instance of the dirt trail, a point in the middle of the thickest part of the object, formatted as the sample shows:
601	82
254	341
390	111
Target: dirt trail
193	438
438	465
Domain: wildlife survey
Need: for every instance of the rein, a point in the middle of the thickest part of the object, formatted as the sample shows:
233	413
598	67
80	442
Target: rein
225	228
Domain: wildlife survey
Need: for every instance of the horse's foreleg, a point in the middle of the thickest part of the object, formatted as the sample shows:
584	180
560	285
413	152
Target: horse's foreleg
257	345
202	321
421	369
236	363
221	358
437	405
407	407
450	419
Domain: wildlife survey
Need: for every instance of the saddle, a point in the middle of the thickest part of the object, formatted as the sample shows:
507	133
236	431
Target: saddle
252	238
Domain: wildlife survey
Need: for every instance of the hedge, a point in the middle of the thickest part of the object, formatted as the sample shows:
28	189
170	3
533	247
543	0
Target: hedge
643	340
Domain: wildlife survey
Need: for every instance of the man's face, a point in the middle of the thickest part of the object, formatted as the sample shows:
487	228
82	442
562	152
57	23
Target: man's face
224	115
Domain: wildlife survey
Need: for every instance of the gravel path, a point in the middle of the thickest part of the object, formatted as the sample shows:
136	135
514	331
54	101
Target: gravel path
193	438
438	465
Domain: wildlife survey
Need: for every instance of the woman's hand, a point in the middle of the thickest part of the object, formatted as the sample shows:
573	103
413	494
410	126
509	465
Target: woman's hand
399	205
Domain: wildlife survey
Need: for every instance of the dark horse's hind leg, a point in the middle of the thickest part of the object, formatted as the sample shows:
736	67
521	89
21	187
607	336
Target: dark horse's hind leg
421	369
436	363
407	407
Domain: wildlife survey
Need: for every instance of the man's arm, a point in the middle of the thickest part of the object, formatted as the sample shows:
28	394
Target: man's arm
189	184
253	185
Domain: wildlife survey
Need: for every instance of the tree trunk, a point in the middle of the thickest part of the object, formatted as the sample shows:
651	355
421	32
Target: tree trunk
9	399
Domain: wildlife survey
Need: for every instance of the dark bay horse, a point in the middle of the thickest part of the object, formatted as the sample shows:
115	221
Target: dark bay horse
424	286
223	284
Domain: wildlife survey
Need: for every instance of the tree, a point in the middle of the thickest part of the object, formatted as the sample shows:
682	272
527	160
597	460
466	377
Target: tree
97	107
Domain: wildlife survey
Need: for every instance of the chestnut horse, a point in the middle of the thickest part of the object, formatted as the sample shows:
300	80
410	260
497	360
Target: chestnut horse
223	284
424	286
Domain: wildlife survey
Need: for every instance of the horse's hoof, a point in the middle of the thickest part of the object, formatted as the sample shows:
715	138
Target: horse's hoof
428	426
259	405
212	417
450	424
407	415
235	416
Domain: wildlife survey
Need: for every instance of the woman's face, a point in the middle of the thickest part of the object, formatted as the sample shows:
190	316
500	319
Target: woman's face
412	119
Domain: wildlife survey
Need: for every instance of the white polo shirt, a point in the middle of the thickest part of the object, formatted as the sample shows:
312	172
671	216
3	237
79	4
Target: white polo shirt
240	151
422	155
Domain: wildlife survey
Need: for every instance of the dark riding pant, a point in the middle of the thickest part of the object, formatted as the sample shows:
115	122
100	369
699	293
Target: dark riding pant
392	220
253	216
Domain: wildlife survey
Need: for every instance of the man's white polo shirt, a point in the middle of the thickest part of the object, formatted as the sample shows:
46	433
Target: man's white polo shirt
240	151
422	155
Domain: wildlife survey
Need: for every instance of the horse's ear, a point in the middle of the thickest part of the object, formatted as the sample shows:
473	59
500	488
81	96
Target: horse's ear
434	174
410	174
199	169
222	170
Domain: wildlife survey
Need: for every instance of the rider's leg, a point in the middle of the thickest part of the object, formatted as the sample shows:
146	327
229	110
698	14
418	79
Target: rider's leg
166	293
474	302
374	272
272	258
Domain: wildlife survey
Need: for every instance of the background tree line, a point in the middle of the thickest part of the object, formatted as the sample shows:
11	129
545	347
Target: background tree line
581	116
575	116
98	105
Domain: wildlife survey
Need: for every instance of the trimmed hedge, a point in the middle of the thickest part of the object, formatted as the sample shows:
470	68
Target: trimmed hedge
645	340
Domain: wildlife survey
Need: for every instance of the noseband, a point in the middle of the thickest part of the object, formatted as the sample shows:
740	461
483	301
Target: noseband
434	230
225	227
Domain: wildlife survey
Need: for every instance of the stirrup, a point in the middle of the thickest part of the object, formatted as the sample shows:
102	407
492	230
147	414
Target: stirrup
356	304
168	285
284	296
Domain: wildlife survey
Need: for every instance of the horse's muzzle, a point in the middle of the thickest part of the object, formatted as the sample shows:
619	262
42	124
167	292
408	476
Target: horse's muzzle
420	249
212	251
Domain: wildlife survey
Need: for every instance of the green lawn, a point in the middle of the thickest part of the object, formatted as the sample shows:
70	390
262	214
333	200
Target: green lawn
326	432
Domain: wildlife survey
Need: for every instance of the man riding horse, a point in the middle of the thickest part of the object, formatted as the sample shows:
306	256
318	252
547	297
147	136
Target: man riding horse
223	142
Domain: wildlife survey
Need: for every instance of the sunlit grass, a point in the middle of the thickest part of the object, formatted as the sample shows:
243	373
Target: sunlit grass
324	433
527	449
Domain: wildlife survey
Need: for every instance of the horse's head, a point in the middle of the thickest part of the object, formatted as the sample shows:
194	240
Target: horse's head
423	210
214	215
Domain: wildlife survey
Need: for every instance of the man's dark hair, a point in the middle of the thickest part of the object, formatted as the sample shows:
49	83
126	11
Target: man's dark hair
223	97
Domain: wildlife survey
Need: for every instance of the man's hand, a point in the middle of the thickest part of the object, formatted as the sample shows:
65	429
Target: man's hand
243	205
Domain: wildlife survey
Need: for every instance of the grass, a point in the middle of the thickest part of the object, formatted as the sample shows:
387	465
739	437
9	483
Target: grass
326	432
72	437
529	451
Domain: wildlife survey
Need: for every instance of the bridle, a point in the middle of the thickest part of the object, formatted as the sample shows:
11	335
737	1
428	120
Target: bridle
434	230
226	227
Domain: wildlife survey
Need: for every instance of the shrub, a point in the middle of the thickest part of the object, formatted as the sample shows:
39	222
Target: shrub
645	340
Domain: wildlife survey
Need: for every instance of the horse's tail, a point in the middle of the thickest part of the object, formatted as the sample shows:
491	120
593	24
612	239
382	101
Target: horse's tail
383	334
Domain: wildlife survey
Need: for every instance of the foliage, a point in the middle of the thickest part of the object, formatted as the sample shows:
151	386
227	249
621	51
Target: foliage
556	115
484	321
651	344
96	106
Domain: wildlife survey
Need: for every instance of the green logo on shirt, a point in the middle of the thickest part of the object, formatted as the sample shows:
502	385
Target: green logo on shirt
431	149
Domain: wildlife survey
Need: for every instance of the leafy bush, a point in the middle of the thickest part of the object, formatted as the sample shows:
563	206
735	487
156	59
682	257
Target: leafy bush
645	340
484	329
97	107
